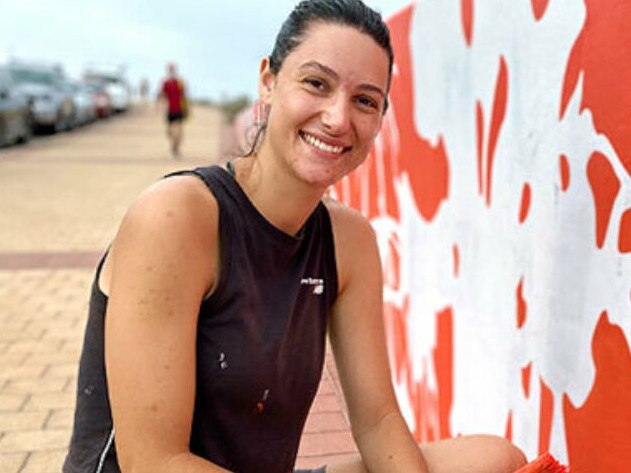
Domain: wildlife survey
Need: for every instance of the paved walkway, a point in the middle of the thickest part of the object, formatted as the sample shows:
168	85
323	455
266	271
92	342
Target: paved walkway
61	198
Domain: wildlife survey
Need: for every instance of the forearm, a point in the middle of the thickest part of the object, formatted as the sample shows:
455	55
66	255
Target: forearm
389	447
190	463
178	463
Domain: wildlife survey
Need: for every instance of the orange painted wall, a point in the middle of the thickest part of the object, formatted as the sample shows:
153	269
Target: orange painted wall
528	302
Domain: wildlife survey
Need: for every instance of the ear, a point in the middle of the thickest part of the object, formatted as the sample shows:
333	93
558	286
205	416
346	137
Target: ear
267	81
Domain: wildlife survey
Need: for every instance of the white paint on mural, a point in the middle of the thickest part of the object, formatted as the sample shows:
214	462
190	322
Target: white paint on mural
568	282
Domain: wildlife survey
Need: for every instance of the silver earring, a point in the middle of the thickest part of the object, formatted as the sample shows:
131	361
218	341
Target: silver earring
261	112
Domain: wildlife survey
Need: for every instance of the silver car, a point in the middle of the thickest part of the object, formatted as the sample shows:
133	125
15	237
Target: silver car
50	99
15	124
85	109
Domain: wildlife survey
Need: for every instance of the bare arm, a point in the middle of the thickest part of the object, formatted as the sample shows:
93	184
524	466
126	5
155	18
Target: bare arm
358	342
163	261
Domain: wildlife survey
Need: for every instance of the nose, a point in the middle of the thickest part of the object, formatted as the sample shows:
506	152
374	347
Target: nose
336	116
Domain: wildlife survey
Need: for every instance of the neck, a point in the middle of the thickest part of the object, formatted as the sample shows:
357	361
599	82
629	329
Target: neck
279	196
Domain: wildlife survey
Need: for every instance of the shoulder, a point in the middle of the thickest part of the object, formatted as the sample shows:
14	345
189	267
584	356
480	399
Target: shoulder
347	222
174	223
175	204
355	241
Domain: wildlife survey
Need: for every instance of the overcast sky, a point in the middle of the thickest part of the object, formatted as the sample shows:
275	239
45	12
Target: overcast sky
216	44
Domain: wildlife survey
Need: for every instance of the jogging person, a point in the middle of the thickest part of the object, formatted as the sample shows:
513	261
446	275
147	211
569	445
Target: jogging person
174	93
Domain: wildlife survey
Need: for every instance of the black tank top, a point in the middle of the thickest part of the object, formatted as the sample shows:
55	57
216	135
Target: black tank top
260	344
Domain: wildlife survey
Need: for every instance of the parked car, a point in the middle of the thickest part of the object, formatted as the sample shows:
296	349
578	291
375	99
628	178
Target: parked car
84	104
15	122
50	99
113	81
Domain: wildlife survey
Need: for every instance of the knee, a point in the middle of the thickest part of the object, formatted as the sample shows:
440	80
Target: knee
505	456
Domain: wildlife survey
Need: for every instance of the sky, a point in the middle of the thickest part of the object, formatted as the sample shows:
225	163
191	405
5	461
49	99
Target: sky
217	45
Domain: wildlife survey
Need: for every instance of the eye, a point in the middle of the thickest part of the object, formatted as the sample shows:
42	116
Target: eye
368	102
315	83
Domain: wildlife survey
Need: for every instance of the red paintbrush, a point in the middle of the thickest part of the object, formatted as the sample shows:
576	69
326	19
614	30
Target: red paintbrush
544	464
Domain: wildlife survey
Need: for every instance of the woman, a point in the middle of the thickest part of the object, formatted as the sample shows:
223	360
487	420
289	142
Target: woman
222	284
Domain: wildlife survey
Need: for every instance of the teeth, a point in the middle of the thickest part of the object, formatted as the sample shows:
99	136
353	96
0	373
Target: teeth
312	140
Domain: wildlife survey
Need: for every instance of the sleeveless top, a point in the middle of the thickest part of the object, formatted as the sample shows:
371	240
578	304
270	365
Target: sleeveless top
260	344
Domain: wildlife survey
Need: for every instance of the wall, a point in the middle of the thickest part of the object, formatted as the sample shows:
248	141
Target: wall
500	191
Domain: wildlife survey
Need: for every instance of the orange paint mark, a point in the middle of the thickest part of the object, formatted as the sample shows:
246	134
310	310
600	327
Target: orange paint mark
389	165
392	265
522	306
601	53
525	379
564	169
598	431
414	396
466	10
539	8
546	408
525	203
624	236
508	432
605	187
443	366
395	320
456	254
426	165
432	407
367	203
499	111
479	122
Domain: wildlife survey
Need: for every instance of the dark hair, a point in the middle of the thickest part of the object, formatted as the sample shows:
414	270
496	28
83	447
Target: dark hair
353	13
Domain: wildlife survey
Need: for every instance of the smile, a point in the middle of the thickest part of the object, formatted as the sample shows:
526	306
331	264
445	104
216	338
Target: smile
315	142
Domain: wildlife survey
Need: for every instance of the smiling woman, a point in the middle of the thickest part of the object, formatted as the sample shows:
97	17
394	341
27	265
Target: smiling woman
325	103
206	334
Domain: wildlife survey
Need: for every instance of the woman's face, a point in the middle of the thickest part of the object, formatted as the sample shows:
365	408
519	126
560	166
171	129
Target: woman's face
326	103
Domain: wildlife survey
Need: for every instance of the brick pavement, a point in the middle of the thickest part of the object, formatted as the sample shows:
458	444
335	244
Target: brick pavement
61	198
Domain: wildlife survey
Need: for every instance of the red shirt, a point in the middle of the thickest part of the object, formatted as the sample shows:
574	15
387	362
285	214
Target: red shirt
173	90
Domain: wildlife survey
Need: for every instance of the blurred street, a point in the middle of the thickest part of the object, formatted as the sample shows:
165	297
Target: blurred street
61	198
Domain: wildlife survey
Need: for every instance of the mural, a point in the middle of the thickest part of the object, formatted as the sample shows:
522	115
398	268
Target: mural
500	190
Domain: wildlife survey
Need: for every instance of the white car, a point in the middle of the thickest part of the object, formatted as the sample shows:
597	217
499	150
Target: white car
114	83
119	93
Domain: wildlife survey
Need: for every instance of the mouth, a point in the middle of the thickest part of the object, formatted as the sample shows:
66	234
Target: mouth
321	145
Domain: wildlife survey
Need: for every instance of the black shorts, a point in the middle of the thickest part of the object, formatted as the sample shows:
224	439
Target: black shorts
175	117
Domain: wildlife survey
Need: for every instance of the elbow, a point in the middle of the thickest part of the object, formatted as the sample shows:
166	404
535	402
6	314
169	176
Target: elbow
361	429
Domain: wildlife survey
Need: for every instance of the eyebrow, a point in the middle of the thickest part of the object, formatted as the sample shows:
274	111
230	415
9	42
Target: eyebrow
327	70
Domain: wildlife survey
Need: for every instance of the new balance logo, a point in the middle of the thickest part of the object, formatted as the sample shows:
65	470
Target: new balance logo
317	284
